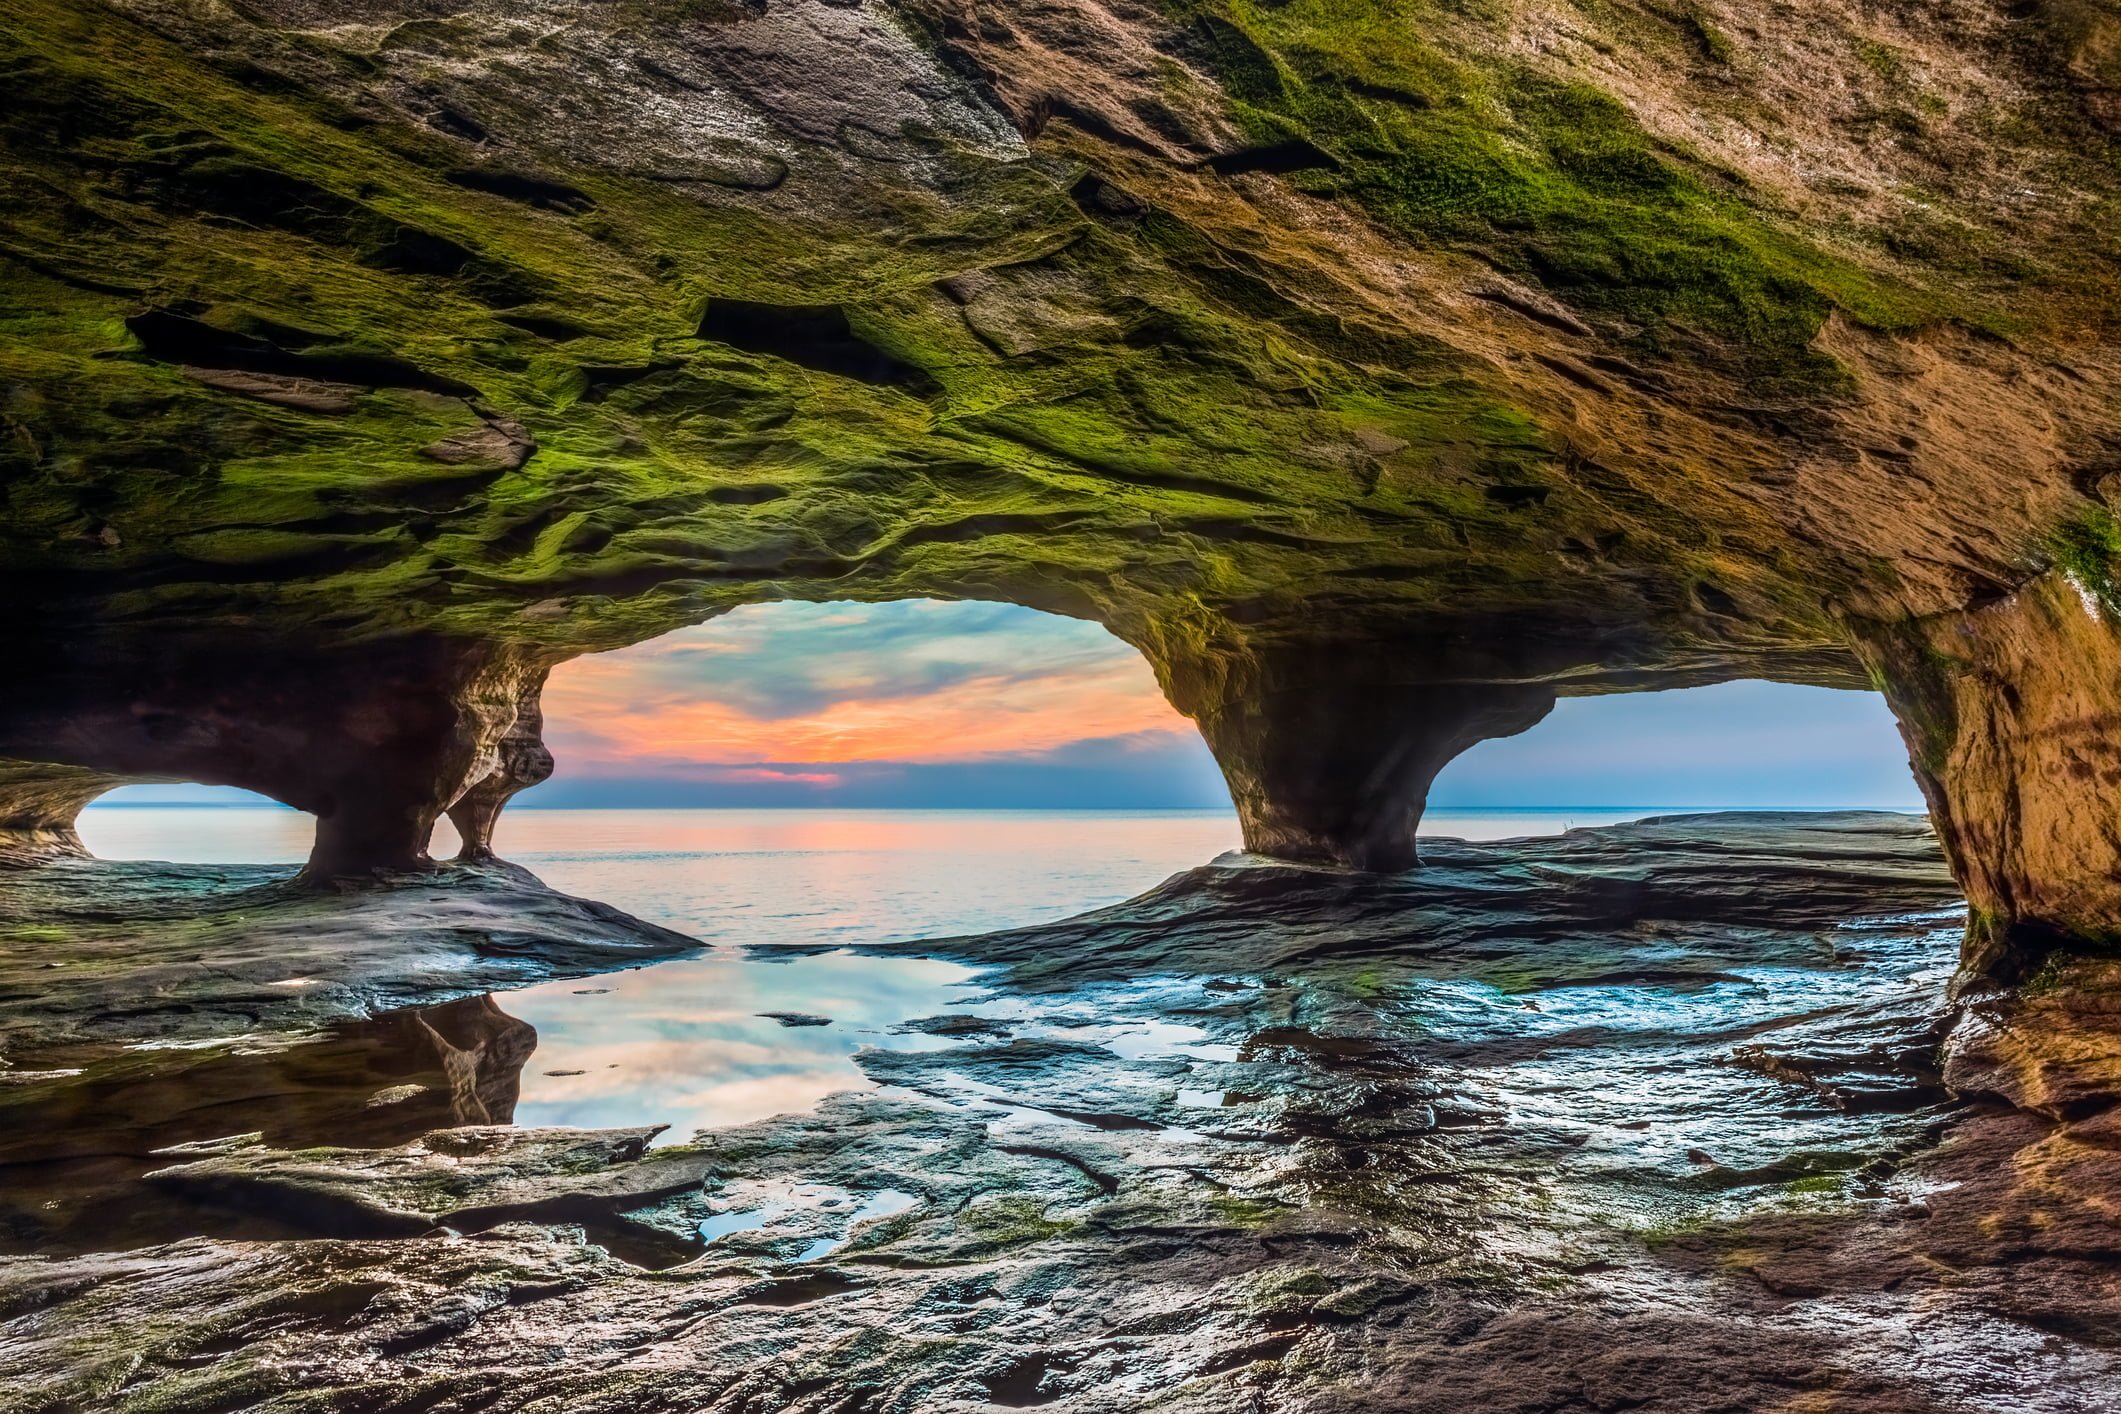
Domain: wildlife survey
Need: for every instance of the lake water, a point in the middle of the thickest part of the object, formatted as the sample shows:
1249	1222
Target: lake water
808	876
770	1018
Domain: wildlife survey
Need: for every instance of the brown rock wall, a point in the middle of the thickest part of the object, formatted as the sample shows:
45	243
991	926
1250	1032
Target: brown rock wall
2012	714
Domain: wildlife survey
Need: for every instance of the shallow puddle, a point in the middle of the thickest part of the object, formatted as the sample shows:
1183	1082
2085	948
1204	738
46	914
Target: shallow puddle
1638	1074
700	1043
704	1043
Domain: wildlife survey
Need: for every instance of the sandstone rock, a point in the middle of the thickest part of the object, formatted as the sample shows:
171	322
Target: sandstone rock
180	954
302	394
520	762
2010	712
500	444
1346	1172
1382	380
38	804
469	1178
2052	1045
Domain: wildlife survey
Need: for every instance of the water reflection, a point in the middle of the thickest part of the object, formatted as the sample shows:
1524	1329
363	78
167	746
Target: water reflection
71	1154
687	1044
699	1043
482	1051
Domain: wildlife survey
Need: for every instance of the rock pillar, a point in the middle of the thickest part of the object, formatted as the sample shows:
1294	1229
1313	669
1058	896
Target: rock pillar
1330	746
375	741
520	762
397	757
2012	715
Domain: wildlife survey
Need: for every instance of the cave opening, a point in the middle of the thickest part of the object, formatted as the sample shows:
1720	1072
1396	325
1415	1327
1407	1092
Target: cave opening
903	767
194	824
863	753
1743	745
1384	956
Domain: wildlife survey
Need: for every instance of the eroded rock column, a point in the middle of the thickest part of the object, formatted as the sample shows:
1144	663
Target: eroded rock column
520	762
375	741
408	752
1330	746
2012	715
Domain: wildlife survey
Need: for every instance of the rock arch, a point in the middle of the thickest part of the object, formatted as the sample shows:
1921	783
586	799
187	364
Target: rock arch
1377	385
376	742
1329	741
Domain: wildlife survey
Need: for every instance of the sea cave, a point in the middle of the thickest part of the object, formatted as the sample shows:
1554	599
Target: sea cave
782	705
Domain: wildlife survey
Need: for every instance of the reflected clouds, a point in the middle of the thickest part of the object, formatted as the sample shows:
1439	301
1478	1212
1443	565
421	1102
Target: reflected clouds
686	1046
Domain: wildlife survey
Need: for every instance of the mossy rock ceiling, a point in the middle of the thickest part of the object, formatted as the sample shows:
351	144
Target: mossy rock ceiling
1667	336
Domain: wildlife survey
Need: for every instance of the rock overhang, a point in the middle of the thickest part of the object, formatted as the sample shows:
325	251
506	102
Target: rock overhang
1357	388
1602	354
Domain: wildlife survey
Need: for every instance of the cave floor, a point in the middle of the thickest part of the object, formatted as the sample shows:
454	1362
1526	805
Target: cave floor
1651	1117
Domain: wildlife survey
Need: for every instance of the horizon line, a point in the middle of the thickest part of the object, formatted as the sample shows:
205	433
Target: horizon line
1897	807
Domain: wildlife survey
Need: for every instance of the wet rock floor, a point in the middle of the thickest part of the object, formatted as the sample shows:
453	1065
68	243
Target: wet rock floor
1652	1117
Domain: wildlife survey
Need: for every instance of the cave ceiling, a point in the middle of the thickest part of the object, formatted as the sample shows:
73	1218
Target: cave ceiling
1628	343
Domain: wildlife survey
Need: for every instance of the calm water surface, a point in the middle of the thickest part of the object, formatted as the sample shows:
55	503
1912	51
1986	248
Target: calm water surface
695	1044
691	1043
808	876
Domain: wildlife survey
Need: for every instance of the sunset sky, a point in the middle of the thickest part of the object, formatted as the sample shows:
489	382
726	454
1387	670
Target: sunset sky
988	705
911	703
924	703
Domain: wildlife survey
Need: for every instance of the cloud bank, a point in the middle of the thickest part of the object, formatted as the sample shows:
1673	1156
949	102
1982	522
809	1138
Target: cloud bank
917	703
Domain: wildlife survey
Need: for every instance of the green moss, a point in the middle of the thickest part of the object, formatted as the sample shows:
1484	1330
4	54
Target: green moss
1919	679
1293	1286
1552	180
2087	547
206	186
1711	39
2046	979
1247	1213
991	1224
1882	60
1195	423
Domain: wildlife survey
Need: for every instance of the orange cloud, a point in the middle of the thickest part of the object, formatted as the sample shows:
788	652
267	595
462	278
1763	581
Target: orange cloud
926	690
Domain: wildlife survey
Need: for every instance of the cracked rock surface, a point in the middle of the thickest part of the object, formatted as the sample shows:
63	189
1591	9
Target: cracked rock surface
1681	1144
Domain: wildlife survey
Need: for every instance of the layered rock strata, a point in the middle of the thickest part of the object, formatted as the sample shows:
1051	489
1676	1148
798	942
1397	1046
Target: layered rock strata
1381	370
1644	1118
